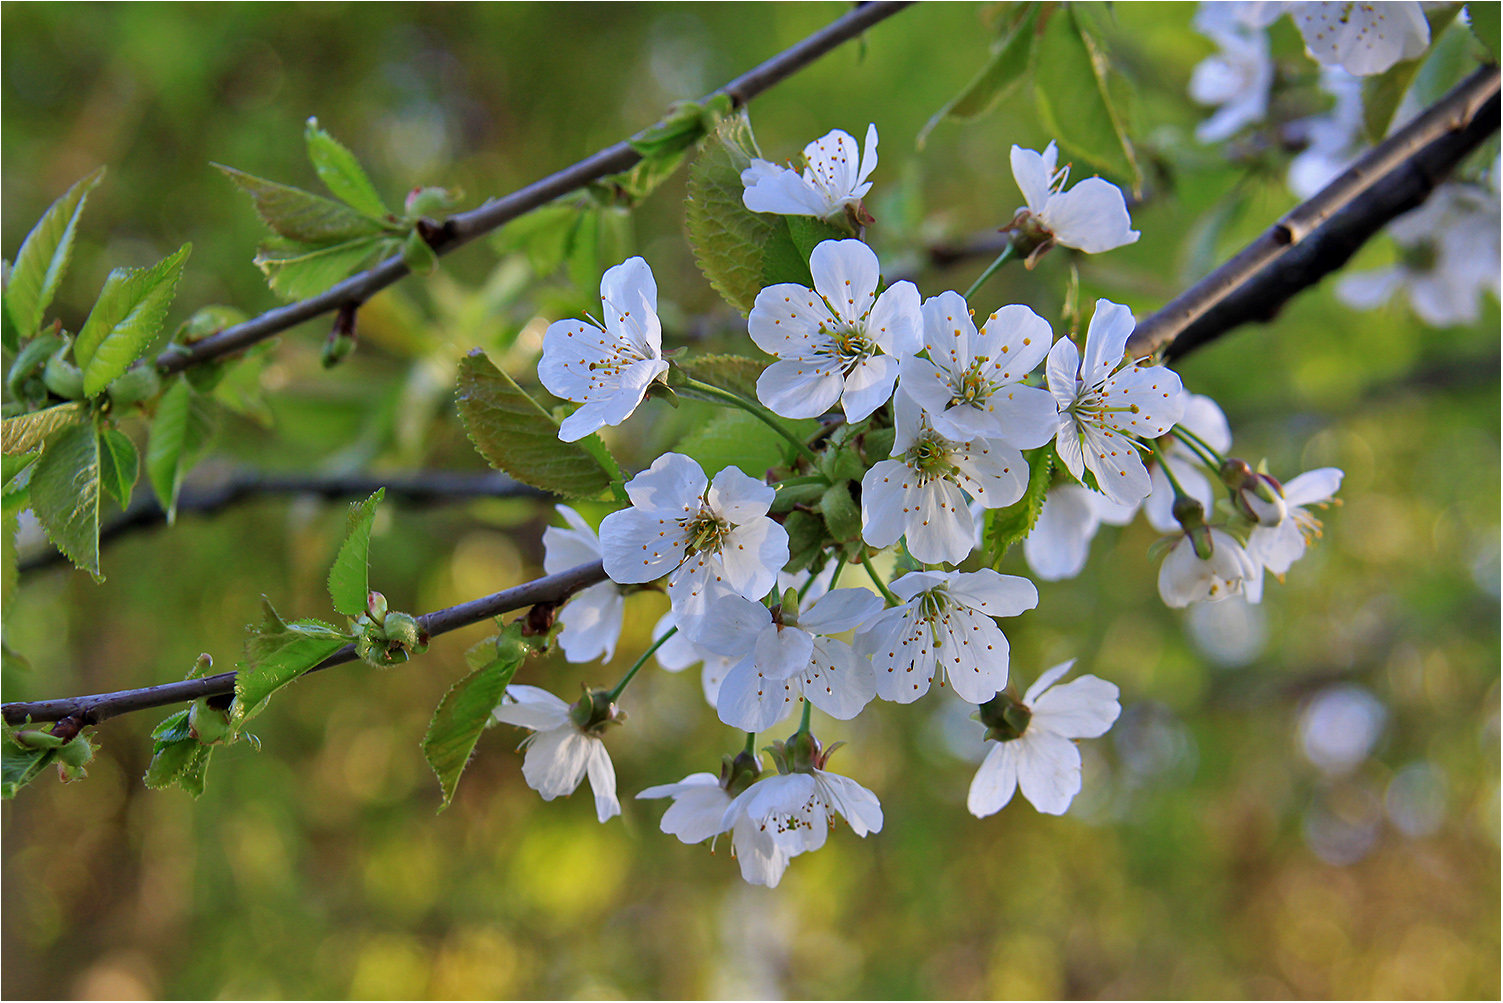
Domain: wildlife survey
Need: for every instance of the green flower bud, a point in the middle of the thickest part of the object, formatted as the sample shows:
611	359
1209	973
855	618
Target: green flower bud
405	630
210	725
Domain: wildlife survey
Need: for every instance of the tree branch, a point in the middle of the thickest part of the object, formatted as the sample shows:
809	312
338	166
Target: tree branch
90	710
1320	235
465	227
211	494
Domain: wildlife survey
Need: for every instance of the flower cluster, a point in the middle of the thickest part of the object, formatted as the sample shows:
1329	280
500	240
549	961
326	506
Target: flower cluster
931	422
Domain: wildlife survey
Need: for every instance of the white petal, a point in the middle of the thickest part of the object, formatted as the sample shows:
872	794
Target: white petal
1048	678
949	331
882	492
1057	547
859	806
1090	217
995	781
1048	770
975	654
1032	172
867	387
531	707
782	652
640	545
738	496
1113	458
754	551
1106	339
748	700
603	782
1082	708
938	527
902	655
762	861
1155	392
796	388
1063	371
836	681
896	323
627	290
993	593
991	471
556	761
1016	340
839	611
592	623
785	321
673	484
846	274
733	626
1313	486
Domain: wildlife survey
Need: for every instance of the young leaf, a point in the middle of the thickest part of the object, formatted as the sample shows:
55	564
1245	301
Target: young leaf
19	765
349	581
179	432
277	653
65	496
517	436
735	373
26	432
997	79
298	272
302	216
118	464
126	316
735	439
1009	525
341	173
1485	21
43	259
465	710
180	763
542	234
1074	97
727	237
806	232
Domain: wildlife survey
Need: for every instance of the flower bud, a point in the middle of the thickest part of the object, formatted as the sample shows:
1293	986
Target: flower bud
431	201
375	606
802	752
1190	514
405	630
1005	717
593	711
136	384
739	773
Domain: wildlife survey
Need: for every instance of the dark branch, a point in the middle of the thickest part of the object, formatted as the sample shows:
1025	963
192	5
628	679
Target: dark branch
465	227
1319	236
90	710
211	494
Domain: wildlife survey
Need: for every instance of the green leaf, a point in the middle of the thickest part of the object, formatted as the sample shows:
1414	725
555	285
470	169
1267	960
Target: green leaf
1074	97
349	578
542	234
1484	18
26	432
119	464
807	233
297	272
997	79
417	255
727	237
277	653
1382	93
126	316
1009	525
465	710
735	373
173	728
736	439
179	764
302	216
43	259
179	433
20	765
341	173
65	496
515	434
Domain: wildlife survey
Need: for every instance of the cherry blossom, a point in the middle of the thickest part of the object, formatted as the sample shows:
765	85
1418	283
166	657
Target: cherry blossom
918	493
1362	38
837	342
561	751
710	538
1333	141
1185	577
678	653
1060	541
945	628
1237	78
834	178
971	383
1103	402
1031	742
607	370
700	812
592	619
1204	418
1278	546
797	809
1090	217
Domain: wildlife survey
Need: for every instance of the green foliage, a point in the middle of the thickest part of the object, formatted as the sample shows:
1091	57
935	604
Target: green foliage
19	765
24	754
1382	93
300	216
277	653
735	373
734	438
40	264
126	317
298	271
180	432
515	434
465	710
341	173
119	464
1484	18
1009	525
27	432
998	77
349	578
65	495
727	237
543	235
177	758
1075	97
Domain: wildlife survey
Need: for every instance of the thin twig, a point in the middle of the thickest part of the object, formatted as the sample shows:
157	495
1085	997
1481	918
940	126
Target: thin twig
467	226
1320	235
91	710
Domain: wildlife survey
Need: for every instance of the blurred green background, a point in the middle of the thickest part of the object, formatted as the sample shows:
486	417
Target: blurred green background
1300	799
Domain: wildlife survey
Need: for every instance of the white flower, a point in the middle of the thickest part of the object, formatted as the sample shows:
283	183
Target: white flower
780	657
592	619
1362	38
1204	418
1060	540
830	340
829	183
1334	140
678	653
971	384
797	809
1043	759
559	754
607	371
1237	78
1185	578
1102	403
945	628
1450	255
709	538
1090	217
920	494
1277	547
699	812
